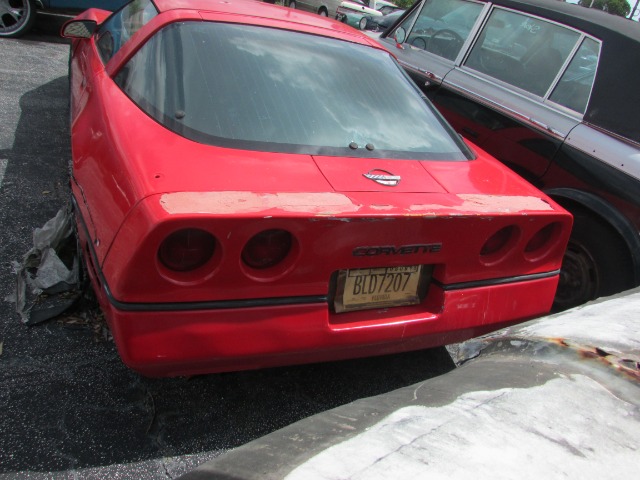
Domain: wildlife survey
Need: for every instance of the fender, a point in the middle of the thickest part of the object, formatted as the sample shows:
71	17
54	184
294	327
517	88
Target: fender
608	213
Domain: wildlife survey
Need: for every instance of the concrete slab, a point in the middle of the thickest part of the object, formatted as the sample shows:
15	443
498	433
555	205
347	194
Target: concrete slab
555	397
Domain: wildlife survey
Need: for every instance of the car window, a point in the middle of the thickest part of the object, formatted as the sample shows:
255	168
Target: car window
442	26
266	89
524	51
574	87
120	26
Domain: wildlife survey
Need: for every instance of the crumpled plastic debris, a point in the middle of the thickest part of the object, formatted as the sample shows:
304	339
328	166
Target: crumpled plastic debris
461	353
48	278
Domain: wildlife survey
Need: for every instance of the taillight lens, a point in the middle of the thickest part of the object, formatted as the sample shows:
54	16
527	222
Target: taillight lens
542	240
267	249
498	241
187	249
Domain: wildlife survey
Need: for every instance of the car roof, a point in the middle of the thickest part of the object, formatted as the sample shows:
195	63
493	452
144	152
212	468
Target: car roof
615	98
586	19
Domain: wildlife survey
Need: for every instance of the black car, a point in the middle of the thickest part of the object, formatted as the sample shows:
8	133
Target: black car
551	90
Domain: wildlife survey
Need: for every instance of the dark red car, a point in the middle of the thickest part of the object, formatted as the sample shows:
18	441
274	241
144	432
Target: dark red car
256	186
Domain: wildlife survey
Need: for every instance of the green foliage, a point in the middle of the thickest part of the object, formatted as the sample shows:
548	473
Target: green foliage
615	7
403	3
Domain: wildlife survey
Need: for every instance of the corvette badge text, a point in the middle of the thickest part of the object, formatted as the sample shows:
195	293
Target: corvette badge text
397	250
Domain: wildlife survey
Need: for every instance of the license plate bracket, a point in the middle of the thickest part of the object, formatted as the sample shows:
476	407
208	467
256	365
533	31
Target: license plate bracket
382	287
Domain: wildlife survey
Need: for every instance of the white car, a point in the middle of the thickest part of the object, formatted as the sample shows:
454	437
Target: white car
359	13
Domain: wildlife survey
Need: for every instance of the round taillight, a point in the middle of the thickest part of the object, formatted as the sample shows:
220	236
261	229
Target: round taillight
498	241
267	249
542	240
186	249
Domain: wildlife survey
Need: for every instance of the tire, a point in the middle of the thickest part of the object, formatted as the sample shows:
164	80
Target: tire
362	24
323	12
16	17
292	4
597	262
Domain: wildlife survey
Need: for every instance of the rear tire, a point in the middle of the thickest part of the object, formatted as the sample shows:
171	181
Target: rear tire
16	17
596	264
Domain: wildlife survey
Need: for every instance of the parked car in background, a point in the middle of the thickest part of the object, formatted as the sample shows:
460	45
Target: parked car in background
18	16
360	13
272	207
326	8
551	90
380	24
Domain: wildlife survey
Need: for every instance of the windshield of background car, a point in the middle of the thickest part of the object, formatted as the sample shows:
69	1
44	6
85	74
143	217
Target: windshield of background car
121	26
266	89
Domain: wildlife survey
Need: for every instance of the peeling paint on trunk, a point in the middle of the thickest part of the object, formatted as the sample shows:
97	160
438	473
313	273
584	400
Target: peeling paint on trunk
225	203
473	203
331	203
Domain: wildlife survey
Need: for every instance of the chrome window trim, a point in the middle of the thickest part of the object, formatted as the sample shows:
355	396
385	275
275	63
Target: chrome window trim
473	34
532	122
564	67
558	106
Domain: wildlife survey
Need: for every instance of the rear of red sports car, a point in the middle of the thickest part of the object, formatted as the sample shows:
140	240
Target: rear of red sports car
257	187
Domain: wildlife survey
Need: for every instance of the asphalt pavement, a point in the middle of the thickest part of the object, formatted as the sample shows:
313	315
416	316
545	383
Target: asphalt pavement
69	408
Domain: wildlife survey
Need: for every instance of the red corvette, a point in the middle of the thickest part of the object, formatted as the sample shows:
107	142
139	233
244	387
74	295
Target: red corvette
255	186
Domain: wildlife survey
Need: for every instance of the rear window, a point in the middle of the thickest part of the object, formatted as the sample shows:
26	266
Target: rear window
267	89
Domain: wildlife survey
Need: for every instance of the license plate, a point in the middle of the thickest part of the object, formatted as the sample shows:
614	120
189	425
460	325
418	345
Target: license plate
366	288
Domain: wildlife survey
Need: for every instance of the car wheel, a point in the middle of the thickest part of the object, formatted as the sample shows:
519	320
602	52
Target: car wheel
16	17
595	264
292	4
362	24
323	12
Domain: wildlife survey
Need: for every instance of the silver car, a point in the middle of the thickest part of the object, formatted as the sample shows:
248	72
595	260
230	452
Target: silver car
551	90
326	8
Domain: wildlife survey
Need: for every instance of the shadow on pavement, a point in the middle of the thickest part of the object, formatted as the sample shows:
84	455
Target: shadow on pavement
47	28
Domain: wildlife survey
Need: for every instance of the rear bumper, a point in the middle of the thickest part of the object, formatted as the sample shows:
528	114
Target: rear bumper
187	342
